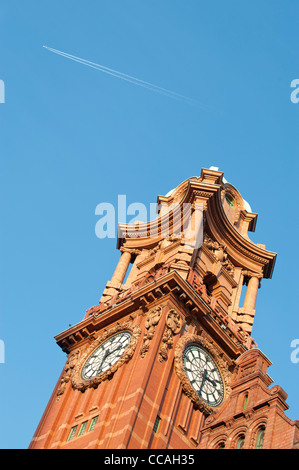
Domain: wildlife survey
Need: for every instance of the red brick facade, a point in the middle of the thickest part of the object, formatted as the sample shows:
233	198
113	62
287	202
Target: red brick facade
175	297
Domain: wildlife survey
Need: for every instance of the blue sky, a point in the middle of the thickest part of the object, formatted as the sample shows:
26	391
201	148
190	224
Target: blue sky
73	137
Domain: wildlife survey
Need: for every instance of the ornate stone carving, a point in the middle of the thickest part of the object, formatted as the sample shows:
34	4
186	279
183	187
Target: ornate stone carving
220	252
173	326
151	323
76	378
210	419
185	341
68	368
204	194
152	275
228	265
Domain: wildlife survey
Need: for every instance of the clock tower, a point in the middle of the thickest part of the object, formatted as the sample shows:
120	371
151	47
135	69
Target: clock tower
166	360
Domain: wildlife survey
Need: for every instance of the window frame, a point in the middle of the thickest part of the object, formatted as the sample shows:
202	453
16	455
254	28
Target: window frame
72	433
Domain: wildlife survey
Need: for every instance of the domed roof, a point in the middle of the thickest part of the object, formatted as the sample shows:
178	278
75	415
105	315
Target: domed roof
215	168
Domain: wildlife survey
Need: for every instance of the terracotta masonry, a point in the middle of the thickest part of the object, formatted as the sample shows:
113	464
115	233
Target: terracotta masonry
166	360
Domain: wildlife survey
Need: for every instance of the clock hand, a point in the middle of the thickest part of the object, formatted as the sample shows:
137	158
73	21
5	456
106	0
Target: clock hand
203	381
211	380
107	353
116	349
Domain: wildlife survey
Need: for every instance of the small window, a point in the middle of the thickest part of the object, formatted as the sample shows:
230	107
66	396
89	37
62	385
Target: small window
72	433
157	424
229	200
82	428
92	423
260	438
240	442
245	401
221	445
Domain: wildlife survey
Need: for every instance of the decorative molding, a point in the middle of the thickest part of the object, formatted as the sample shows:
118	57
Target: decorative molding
242	250
132	251
142	299
185	341
173	326
203	194
76	378
71	362
220	253
151	323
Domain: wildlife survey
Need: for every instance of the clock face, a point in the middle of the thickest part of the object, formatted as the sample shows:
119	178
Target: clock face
105	355
203	374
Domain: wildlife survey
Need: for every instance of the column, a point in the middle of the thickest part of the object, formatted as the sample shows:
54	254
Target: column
122	267
251	292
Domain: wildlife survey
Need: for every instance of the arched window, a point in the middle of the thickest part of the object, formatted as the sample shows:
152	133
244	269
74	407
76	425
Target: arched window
260	438
245	401
229	200
240	441
221	445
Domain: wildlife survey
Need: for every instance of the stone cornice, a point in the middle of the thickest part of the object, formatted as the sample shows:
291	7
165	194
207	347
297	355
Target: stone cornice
150	233
242	251
169	285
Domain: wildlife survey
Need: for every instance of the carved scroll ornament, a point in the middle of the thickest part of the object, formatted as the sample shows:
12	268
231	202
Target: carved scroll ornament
67	372
151	323
173	326
220	252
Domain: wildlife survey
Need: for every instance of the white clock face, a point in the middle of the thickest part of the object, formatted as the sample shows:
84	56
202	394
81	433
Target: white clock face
203	374
106	355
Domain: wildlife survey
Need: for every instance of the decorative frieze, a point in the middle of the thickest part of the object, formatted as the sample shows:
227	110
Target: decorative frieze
173	325
150	326
71	362
220	253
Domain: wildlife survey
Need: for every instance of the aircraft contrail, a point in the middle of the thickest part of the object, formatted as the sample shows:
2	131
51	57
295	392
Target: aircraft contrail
128	78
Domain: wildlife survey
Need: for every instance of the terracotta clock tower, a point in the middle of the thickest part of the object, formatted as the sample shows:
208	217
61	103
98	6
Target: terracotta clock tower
167	360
